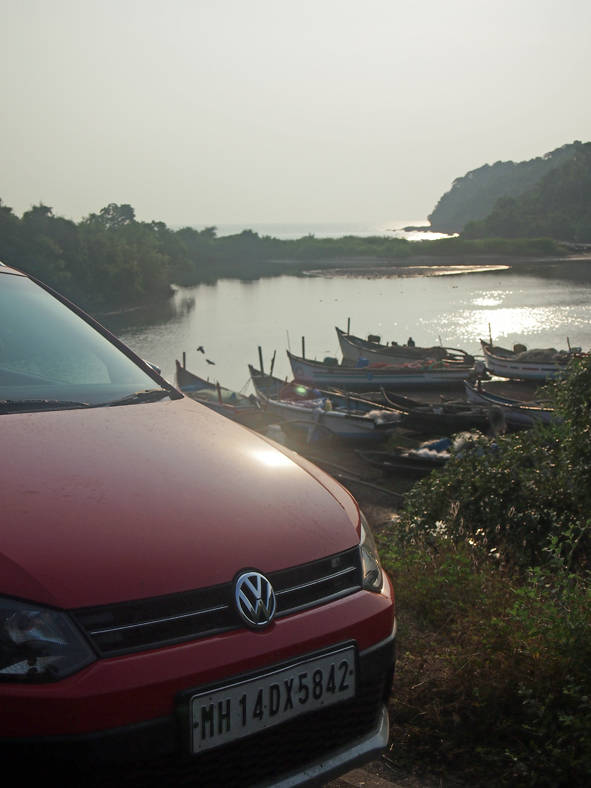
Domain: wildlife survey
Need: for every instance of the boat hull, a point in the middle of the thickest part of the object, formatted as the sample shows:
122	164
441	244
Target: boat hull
510	366
404	462
338	415
341	425
517	414
315	373
355	348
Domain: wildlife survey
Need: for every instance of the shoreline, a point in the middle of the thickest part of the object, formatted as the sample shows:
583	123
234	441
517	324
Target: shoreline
430	265
384	272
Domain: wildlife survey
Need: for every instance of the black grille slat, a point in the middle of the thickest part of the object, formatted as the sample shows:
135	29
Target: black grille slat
330	588
305	573
175	618
158	621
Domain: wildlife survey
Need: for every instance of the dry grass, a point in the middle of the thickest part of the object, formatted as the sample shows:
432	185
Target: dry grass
491	680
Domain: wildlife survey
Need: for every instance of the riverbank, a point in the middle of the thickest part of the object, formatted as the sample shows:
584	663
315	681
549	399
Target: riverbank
435	265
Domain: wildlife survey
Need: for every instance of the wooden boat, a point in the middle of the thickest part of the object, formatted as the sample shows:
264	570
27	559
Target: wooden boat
517	412
330	413
417	462
370	377
269	387
445	418
523	364
238	407
353	348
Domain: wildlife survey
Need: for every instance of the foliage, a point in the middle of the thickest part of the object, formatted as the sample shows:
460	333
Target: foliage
516	496
557	206
499	247
473	196
109	259
490	559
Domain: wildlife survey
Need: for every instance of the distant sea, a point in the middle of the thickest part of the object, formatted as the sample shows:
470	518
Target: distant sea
291	230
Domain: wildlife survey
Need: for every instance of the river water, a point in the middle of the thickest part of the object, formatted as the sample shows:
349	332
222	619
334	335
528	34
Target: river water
231	318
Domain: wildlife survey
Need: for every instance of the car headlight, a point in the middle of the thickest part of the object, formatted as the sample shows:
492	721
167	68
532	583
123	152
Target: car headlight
370	559
38	644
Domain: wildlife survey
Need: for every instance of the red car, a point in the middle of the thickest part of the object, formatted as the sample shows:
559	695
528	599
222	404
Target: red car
182	601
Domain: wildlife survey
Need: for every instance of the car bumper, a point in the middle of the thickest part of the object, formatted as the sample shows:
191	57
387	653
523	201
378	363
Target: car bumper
309	749
341	760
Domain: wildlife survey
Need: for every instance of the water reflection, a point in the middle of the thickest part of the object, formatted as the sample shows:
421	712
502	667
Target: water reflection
178	307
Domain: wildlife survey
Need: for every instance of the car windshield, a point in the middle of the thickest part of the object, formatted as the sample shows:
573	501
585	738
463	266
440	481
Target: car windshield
51	358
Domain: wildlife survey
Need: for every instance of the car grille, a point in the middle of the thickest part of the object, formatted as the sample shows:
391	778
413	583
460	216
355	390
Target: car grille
175	618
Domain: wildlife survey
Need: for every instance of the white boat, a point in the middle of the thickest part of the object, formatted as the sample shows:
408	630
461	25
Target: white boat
372	378
331	413
517	413
354	348
523	364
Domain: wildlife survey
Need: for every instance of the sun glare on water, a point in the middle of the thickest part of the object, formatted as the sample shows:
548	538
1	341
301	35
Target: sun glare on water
509	321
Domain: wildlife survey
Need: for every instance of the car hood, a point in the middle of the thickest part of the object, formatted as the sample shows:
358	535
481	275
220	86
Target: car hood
126	502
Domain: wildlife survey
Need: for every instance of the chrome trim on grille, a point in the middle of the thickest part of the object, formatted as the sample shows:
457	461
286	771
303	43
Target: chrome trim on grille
326	579
157	621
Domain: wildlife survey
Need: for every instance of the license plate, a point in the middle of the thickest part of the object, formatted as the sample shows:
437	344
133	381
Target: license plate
227	713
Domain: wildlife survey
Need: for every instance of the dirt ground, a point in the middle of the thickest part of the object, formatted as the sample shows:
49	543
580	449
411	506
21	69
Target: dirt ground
378	774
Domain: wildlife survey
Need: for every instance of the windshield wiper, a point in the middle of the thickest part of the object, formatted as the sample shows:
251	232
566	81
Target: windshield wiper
24	405
149	395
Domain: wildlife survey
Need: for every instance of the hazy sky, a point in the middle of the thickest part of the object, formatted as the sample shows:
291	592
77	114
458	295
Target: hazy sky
214	111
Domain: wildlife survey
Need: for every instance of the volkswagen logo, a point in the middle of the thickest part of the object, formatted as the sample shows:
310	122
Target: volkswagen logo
255	599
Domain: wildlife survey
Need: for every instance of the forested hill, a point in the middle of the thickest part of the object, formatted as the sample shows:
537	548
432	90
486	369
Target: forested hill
558	206
473	197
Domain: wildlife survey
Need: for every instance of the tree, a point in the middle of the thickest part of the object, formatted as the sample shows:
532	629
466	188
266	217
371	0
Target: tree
113	216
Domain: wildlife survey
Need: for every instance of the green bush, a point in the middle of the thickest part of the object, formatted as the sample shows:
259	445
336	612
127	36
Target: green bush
521	495
490	559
